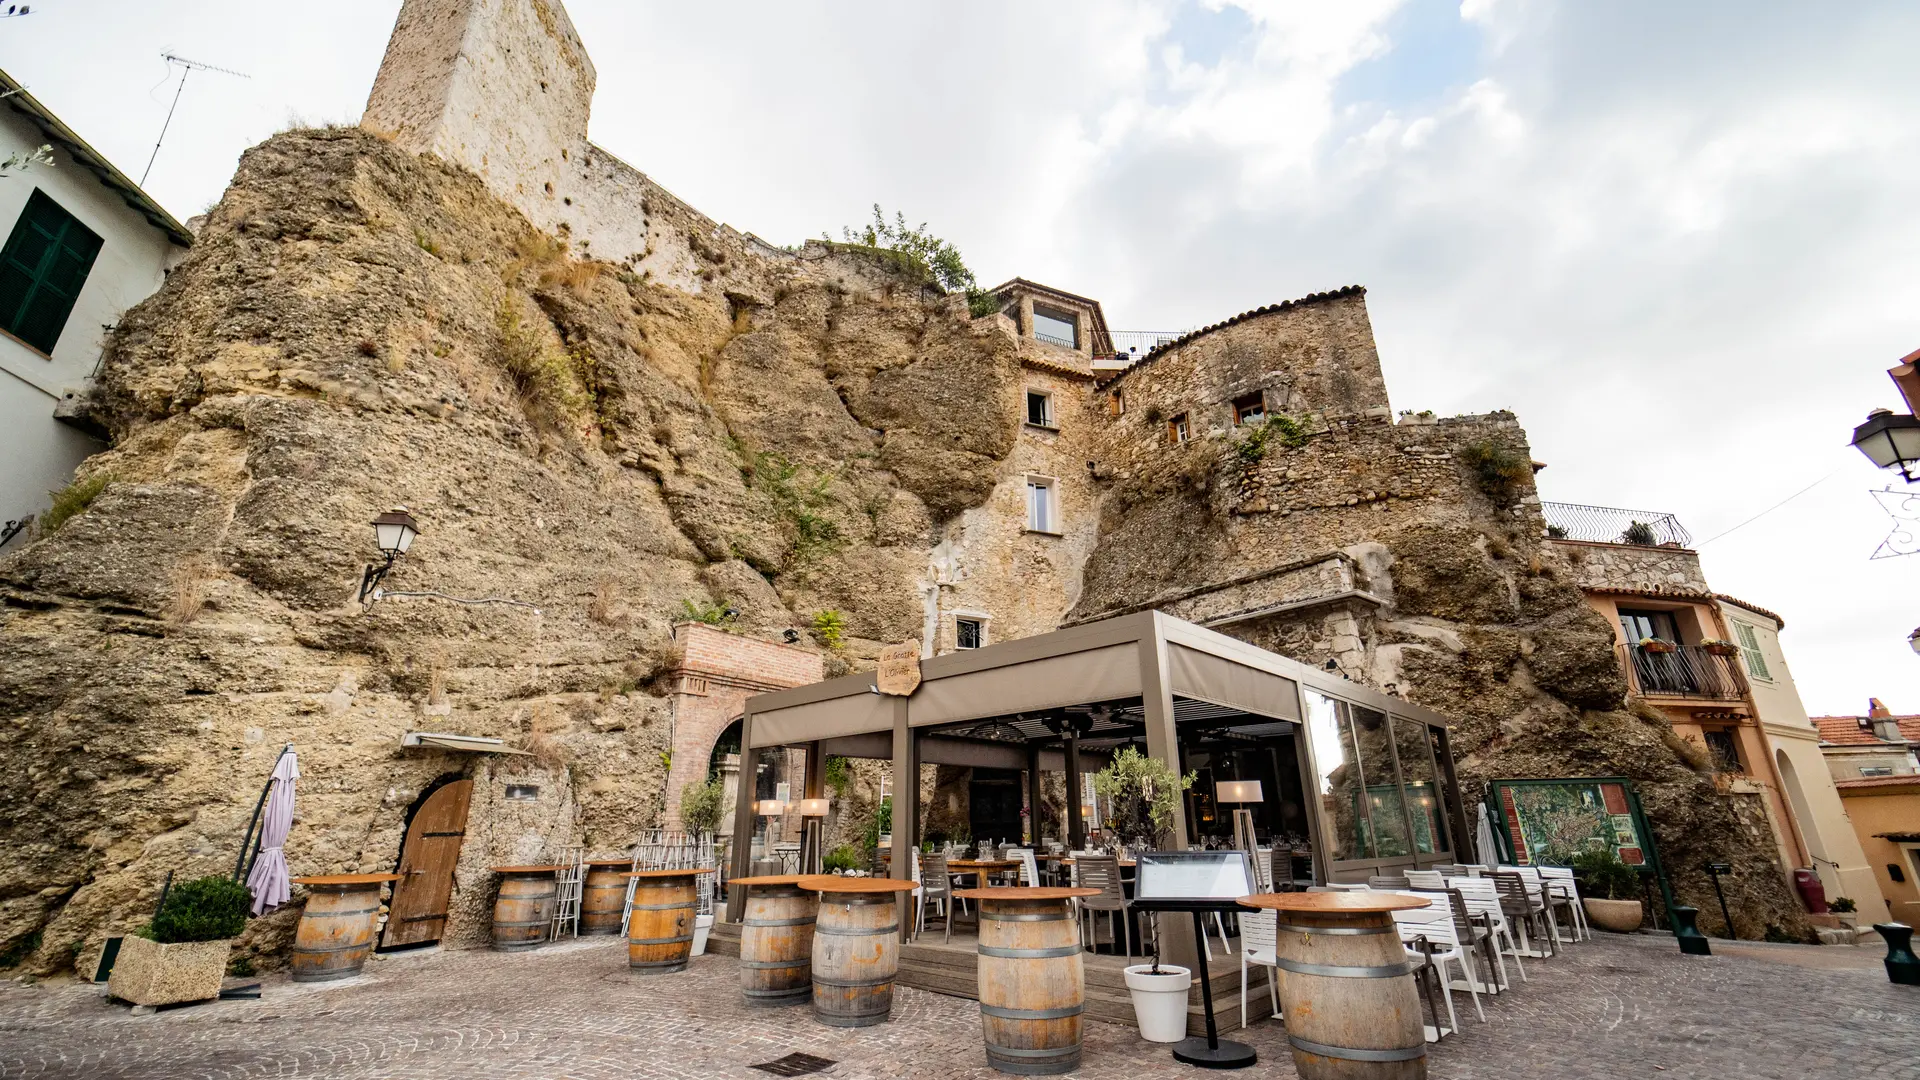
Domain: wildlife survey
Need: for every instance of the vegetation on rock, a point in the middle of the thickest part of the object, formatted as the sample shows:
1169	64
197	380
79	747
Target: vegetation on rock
72	500
701	804
1501	471
921	256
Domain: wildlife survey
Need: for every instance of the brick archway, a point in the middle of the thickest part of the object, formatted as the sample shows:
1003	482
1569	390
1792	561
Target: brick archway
715	675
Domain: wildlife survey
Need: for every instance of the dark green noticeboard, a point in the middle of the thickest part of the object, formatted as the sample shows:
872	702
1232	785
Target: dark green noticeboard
1549	821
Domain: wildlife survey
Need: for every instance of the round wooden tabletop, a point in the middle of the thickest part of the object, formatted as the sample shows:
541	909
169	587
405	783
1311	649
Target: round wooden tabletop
769	879
609	862
687	872
1335	903
346	879
833	883
526	869
1025	893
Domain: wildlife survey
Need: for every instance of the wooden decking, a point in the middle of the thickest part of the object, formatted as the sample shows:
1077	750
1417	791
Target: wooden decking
951	968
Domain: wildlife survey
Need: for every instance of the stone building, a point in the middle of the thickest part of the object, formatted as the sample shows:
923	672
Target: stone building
603	404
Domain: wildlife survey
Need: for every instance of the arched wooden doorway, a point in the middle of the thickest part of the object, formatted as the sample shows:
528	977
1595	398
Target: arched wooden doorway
418	913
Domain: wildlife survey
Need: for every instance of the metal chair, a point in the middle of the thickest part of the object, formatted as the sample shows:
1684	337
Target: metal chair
936	883
1103	872
1523	908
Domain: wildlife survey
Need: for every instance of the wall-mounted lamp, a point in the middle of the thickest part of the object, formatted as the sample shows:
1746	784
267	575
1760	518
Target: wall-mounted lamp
393	533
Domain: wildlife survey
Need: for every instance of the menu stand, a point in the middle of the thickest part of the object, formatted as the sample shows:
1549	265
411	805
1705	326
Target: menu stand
1199	882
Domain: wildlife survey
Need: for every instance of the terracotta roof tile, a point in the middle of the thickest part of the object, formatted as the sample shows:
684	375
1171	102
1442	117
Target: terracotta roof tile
1859	782
1755	608
1846	731
1158	350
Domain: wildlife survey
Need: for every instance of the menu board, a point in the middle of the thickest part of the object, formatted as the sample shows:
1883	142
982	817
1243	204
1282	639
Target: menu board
1211	877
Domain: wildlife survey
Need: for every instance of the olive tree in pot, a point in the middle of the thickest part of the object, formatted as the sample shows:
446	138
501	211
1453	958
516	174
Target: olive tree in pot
182	954
700	808
1142	792
1610	891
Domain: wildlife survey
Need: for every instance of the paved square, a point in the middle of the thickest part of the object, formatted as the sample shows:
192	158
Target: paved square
1614	1008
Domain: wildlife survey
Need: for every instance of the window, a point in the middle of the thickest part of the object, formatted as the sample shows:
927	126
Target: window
1876	770
1250	408
969	633
42	268
1724	746
1040	408
1041	511
1750	651
1116	404
1177	429
1056	327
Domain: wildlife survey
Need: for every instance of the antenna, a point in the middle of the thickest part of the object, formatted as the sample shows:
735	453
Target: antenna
186	67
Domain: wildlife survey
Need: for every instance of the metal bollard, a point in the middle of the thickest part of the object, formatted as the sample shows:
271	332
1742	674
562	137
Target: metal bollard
1902	966
1692	941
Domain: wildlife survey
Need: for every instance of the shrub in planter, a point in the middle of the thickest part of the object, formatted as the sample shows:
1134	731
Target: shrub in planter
182	954
844	857
1609	890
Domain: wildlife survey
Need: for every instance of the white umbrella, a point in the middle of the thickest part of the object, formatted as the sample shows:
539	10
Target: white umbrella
1483	838
269	878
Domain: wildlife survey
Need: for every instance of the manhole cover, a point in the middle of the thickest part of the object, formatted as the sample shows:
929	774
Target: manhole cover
794	1065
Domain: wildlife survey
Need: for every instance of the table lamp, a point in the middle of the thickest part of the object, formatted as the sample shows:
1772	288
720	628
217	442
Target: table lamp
1240	792
770	809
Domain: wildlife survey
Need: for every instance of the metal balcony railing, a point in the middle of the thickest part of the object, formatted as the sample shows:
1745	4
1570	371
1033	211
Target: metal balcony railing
1051	339
1688	671
1612	525
1136	343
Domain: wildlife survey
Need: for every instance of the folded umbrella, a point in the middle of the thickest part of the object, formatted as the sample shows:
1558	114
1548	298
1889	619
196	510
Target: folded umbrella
269	879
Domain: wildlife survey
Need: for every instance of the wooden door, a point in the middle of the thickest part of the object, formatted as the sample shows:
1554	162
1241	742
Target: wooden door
418	912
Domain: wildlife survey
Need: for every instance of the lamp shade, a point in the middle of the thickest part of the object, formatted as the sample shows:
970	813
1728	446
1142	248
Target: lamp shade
1238	791
1913	639
1889	439
394	531
813	808
770	808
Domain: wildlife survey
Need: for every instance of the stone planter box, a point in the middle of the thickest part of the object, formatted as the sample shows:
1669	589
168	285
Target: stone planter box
149	973
1619	916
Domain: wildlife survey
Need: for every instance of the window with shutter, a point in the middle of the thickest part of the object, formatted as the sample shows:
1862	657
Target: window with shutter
42	268
1750	651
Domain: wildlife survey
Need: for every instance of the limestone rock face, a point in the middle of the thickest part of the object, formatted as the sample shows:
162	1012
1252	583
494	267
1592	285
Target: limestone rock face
357	327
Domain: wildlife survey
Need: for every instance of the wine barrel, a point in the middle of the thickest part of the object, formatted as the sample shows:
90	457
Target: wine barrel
1032	984
776	942
336	931
603	898
660	923
523	908
1351	1003
856	948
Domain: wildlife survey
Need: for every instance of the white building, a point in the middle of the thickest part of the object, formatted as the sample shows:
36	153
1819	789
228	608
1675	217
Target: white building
83	244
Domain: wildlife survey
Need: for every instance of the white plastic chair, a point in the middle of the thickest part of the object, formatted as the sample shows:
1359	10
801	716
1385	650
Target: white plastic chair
1565	891
1258	929
1483	899
1435	924
1425	879
1028	871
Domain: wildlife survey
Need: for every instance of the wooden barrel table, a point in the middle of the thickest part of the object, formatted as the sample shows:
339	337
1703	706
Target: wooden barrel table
856	948
335	935
1032	983
660	923
603	896
523	908
1351	1005
776	940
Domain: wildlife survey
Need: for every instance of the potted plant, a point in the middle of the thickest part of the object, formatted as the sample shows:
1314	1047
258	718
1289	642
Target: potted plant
1719	647
1610	891
182	954
1143	792
1655	645
700	808
1159	993
1845	908
1640	534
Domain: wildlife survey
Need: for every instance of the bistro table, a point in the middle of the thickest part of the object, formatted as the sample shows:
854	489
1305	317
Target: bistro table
335	934
523	908
1032	979
776	940
660	922
856	948
1351	1005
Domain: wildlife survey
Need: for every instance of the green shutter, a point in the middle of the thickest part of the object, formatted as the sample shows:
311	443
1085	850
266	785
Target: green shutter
1750	651
42	269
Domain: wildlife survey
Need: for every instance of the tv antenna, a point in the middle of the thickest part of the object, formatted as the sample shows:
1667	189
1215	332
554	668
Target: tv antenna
187	67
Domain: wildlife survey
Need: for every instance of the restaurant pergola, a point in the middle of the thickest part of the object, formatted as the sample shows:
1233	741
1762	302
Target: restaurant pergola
1365	778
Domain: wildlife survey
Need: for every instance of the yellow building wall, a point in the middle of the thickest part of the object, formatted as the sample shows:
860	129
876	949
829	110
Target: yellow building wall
1889	810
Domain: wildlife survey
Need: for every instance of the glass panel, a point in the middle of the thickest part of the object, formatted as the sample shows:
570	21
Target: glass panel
1056	327
1373	737
1037	409
1039	507
1337	778
1424	804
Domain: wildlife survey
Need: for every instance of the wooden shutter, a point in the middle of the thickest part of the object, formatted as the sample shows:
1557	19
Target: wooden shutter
42	269
1750	651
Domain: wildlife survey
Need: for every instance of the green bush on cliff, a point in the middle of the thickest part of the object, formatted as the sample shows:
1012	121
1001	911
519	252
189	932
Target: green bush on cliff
71	501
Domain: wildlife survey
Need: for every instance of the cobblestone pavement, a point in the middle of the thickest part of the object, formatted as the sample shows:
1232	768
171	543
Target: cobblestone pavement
1612	1008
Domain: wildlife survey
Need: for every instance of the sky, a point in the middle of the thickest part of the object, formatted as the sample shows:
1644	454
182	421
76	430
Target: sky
1676	240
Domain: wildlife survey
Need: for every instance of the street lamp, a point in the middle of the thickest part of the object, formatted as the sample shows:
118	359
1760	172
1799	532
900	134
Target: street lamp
1890	440
393	533
1913	639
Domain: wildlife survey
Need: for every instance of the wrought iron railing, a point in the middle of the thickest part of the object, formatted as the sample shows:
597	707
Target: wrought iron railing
1136	343
1052	339
1683	671
1612	525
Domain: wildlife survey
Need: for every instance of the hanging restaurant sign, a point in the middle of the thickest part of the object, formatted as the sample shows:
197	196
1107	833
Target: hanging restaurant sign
899	671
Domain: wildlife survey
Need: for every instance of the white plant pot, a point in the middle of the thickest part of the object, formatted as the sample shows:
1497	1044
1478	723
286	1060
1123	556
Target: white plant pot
1160	1001
702	925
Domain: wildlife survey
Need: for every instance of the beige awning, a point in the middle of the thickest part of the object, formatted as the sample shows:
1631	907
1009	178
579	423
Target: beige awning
853	714
1201	675
471	744
1070	679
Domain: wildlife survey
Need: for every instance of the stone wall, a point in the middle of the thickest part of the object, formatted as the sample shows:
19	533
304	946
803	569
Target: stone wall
1633	568
713	674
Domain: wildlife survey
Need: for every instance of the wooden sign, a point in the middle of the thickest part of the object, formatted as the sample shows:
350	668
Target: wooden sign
899	671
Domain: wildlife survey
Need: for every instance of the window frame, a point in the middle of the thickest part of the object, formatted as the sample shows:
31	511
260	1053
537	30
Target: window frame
1057	315
56	244
1117	403
1049	421
1051	485
1747	636
1254	403
1179	429
979	624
